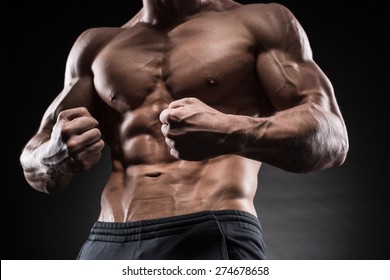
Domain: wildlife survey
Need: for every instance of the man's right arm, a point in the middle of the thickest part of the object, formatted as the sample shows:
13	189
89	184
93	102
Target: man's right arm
52	157
68	140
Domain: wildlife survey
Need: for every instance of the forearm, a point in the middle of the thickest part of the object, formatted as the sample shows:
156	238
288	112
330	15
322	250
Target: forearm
301	139
41	169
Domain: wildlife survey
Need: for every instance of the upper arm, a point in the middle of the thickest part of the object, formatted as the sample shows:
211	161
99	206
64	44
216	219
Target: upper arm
78	90
285	67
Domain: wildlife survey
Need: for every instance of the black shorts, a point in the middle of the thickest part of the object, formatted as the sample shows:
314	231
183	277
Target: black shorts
212	235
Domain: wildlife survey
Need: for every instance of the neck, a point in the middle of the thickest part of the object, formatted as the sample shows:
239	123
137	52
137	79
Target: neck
168	11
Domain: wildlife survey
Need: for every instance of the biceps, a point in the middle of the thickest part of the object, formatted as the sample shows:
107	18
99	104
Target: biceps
288	82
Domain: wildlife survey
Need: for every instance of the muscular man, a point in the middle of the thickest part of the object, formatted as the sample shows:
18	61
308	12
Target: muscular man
191	96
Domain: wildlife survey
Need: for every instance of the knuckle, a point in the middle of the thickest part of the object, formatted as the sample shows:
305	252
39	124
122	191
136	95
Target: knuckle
101	144
170	135
170	115
170	142
173	115
191	100
175	153
164	129
66	130
96	132
95	122
97	147
73	144
92	120
62	115
84	110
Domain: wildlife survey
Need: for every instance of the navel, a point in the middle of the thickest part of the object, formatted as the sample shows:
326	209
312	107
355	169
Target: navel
153	174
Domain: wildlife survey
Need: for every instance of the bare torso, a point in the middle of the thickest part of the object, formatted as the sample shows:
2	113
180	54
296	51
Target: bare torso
190	107
137	74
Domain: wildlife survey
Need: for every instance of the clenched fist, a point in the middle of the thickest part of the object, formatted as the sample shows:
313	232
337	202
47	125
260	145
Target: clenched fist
195	131
75	144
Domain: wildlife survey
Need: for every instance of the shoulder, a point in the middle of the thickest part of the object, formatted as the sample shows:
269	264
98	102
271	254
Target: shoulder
271	15
94	38
87	46
270	24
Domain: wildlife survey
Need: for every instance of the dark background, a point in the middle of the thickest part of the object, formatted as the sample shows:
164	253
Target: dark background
340	213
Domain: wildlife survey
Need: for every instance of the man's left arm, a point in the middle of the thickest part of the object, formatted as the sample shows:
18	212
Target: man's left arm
306	132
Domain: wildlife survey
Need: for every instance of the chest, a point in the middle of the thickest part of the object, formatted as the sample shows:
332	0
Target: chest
204	58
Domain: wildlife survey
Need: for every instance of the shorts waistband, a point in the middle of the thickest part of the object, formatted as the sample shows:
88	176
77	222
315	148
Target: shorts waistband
147	229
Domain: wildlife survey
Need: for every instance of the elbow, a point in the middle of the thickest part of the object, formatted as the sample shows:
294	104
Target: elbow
41	180
40	177
51	190
320	155
327	154
44	186
40	183
337	148
327	147
339	152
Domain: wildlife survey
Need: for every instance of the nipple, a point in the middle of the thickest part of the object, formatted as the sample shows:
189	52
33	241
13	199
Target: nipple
112	97
211	81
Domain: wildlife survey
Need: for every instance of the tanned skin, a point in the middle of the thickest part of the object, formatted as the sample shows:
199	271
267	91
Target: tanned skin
191	97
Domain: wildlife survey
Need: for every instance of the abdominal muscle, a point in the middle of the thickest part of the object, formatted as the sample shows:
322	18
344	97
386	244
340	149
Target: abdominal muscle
175	187
148	183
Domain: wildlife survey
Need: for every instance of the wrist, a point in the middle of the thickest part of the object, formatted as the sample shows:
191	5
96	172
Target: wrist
237	133
246	133
53	152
